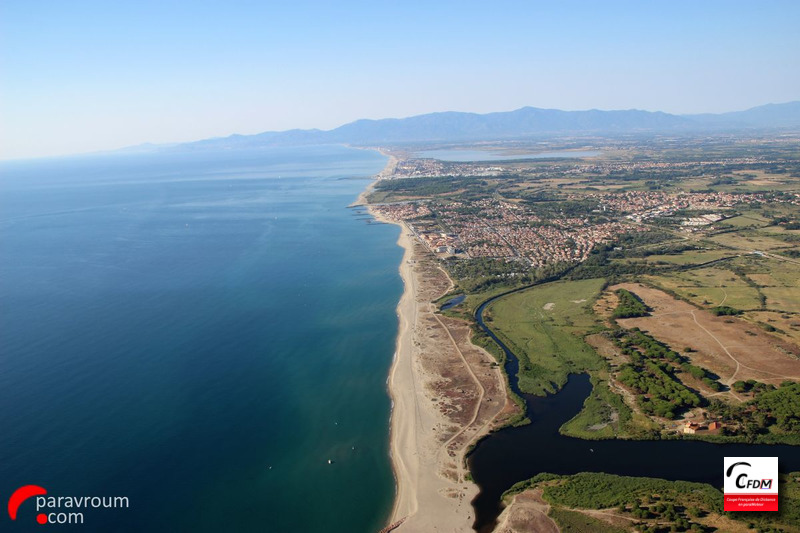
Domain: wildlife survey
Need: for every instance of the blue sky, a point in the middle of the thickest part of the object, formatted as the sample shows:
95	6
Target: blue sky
79	76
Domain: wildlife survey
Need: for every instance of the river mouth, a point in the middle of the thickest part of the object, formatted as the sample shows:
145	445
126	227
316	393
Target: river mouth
517	454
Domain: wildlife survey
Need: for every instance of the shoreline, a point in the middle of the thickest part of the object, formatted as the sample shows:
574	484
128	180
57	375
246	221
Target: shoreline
401	434
404	500
387	171
445	395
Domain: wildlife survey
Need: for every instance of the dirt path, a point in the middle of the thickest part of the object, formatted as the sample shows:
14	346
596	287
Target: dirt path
481	396
725	298
738	364
599	514
527	513
431	385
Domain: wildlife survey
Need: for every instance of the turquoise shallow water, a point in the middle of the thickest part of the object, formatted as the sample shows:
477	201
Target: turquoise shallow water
199	332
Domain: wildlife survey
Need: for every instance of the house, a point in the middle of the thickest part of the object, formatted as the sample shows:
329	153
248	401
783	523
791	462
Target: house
691	428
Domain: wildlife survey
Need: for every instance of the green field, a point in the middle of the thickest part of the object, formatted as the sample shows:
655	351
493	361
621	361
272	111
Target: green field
748	240
782	299
544	327
778	280
711	286
746	219
780	230
691	257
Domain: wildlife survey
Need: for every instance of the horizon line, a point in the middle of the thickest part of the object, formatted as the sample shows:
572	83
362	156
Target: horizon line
232	135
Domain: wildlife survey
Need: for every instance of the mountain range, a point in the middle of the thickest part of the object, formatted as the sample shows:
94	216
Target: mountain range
521	123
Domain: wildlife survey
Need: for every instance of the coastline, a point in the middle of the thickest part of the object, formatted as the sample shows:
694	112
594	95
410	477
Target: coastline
387	171
425	500
402	436
445	395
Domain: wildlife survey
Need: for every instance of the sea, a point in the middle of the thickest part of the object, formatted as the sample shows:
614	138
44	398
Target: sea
204	333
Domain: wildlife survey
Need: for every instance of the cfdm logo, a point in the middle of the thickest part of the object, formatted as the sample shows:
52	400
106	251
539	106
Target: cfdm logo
751	483
61	509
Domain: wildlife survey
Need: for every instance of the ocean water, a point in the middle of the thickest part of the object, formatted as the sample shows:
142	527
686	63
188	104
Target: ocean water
199	332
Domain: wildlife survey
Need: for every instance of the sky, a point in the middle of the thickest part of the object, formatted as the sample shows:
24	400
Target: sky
83	76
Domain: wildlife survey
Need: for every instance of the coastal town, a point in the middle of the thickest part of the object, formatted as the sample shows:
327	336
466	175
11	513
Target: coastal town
513	231
411	165
502	230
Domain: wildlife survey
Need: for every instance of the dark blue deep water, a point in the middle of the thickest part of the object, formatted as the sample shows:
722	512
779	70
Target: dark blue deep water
200	332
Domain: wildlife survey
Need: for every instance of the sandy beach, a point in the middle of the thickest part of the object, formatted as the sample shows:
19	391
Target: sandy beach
387	171
445	394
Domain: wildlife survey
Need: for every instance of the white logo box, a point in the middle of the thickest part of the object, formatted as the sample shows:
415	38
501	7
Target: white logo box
751	483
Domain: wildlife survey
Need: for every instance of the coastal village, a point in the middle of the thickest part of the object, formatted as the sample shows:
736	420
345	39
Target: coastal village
512	231
408	166
501	229
640	206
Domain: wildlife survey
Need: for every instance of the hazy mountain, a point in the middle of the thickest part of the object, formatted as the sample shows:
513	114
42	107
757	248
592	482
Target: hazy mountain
766	116
524	122
519	123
